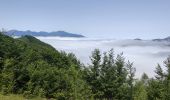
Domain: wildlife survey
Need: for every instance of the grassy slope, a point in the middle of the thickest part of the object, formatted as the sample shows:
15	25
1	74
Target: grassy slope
17	97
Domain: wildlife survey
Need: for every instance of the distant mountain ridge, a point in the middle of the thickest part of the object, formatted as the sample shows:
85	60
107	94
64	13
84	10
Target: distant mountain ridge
167	39
164	39
42	33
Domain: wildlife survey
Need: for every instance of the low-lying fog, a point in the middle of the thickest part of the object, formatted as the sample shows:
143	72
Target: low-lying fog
145	54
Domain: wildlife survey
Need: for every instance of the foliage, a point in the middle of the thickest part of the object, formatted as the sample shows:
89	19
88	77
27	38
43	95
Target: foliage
107	76
31	68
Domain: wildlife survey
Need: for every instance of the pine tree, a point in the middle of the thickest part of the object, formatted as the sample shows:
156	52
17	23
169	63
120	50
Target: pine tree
108	75
95	70
167	78
156	86
131	75
159	73
121	75
140	92
145	79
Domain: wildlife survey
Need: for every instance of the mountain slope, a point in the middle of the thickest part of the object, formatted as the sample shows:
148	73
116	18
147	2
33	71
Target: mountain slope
32	33
31	67
29	45
167	39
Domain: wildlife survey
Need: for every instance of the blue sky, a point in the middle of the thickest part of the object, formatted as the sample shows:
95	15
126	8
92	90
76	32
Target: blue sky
93	18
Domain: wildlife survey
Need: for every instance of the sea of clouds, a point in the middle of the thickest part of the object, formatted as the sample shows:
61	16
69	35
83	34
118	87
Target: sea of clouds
145	54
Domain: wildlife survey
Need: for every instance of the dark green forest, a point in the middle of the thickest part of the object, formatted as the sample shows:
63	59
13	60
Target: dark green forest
33	68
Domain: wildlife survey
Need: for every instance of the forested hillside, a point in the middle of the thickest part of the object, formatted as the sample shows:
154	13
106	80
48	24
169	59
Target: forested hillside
32	68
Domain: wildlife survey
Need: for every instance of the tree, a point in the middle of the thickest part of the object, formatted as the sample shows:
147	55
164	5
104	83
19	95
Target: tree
95	73
154	90
121	75
167	78
159	73
145	79
155	87
108	76
96	63
131	75
140	92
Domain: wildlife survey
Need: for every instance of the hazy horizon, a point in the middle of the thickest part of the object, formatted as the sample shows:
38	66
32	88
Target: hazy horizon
144	54
117	38
92	18
35	59
106	24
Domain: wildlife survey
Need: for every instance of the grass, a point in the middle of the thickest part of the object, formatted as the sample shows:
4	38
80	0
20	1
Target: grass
17	97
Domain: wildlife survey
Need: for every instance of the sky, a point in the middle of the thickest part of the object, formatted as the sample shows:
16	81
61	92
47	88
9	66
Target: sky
146	19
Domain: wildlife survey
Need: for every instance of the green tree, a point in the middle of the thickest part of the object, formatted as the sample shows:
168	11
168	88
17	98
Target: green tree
154	90
140	92
159	73
167	78
108	75
156	86
131	75
121	75
95	73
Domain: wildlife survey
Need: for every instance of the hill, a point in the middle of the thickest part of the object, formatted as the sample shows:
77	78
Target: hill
41	33
33	68
167	39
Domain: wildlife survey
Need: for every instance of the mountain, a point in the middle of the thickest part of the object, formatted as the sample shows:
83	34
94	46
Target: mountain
30	67
42	33
138	39
160	40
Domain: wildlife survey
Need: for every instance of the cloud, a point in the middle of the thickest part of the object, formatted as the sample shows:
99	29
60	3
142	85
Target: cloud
145	54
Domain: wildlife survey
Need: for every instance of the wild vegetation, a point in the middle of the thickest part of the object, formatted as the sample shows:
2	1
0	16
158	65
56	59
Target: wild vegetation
32	68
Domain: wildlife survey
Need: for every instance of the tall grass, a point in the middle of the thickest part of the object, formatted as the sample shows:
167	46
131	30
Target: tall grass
18	97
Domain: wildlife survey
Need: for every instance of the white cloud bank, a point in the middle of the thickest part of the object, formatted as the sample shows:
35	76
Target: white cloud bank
145	54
